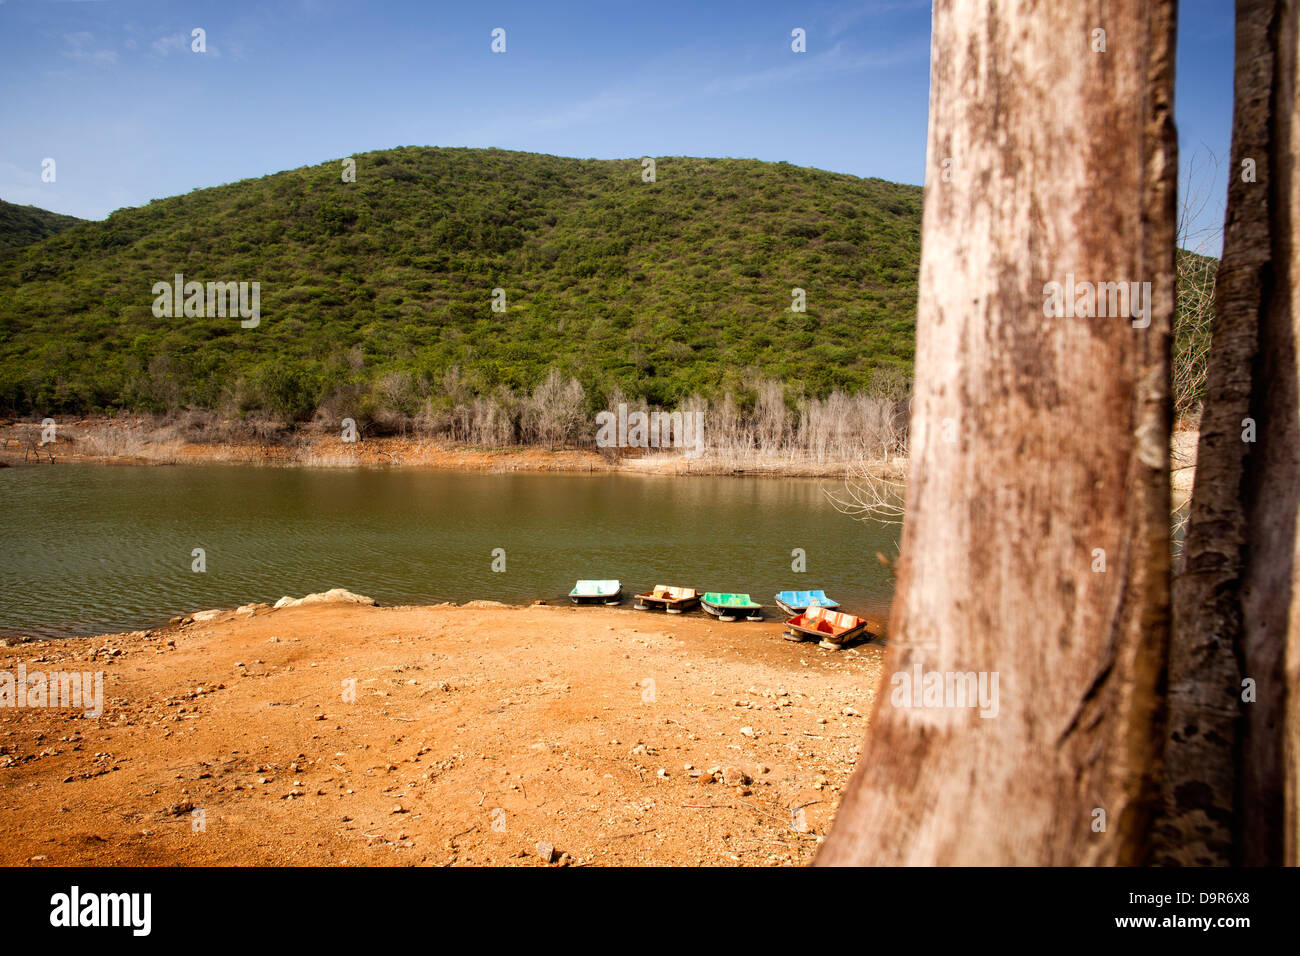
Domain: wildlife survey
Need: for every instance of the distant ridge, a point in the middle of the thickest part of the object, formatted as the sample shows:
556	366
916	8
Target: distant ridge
22	225
658	289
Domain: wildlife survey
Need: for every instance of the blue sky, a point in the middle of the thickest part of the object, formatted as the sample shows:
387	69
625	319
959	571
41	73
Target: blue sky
111	90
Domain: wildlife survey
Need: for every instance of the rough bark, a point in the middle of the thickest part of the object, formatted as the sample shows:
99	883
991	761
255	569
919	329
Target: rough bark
1270	599
1229	794
1199	822
1035	442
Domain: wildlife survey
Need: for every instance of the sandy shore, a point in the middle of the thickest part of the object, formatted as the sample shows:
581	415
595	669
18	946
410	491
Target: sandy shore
473	734
1182	463
137	441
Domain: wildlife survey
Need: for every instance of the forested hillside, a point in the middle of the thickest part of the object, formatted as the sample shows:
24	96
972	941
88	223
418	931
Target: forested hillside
377	294
22	225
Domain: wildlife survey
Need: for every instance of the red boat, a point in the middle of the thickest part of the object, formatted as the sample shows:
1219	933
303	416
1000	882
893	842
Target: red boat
825	624
671	599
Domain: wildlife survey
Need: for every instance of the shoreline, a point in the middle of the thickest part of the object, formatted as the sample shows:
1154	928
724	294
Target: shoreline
334	732
877	615
133	442
139	442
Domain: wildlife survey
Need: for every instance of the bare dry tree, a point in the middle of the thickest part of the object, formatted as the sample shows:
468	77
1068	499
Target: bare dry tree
553	414
871	496
1196	274
1195	288
875	488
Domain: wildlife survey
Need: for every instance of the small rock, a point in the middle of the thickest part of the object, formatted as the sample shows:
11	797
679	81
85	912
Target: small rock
734	777
546	851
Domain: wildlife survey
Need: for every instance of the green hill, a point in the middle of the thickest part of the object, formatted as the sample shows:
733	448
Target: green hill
22	225
661	289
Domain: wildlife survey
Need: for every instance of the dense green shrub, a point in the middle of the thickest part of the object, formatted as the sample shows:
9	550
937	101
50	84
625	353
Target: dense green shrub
663	289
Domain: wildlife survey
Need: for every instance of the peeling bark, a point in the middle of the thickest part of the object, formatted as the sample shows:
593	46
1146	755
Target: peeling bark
1038	444
1226	788
1198	792
1270	646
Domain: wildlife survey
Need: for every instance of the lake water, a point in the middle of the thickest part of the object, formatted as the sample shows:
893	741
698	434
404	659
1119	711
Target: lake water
89	550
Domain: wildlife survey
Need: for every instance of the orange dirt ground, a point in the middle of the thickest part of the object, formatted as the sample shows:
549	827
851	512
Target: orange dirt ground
476	733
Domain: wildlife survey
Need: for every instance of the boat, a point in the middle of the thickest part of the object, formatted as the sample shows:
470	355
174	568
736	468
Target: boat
665	597
796	602
596	592
824	624
729	607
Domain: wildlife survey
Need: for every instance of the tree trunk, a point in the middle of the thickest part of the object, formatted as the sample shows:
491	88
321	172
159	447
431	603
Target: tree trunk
1269	805
1277	490
1222	795
1040	452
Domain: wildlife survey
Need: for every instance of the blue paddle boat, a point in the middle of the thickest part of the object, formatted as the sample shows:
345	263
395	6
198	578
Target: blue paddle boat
796	602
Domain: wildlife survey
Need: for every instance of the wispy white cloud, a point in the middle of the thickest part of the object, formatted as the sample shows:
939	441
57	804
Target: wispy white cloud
81	47
627	99
172	43
808	66
843	18
593	108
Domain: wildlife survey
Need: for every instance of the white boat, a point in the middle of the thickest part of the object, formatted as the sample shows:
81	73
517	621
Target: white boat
597	592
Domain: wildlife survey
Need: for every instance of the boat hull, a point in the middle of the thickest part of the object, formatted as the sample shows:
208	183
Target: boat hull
648	602
830	627
793	609
610	599
797	632
592	591
724	613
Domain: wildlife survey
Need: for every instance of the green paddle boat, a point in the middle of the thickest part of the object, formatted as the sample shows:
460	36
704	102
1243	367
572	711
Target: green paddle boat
730	607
